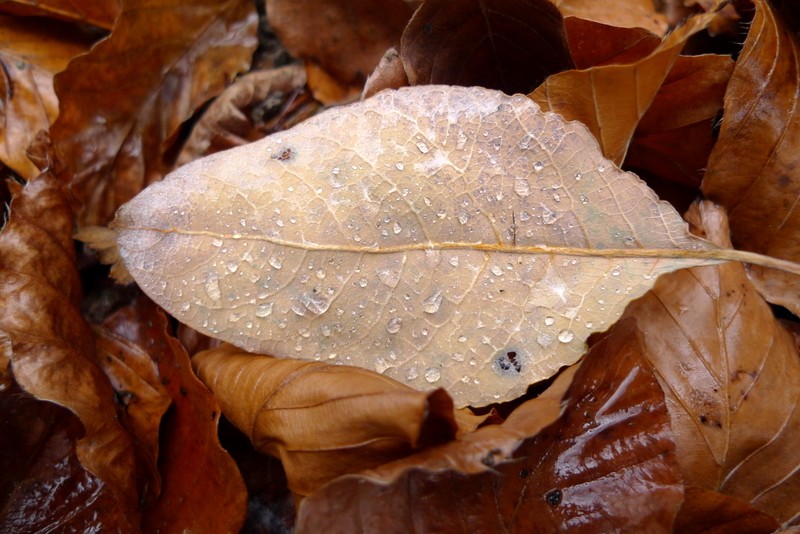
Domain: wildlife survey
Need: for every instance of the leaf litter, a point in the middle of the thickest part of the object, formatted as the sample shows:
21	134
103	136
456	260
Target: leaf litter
474	459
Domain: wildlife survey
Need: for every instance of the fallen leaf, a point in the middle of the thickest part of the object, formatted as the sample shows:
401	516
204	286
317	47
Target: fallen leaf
593	95
389	74
731	374
50	345
349	37
675	136
592	44
44	487
313	245
101	13
121	103
510	45
622	13
608	464
705	511
32	51
322	420
229	120
752	169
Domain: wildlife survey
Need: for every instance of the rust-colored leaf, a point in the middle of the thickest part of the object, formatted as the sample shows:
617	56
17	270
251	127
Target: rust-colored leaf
593	95
121	103
511	45
622	13
32	51
731	374
51	347
753	169
607	464
389	74
323	420
593	44
101	13
708	512
349	36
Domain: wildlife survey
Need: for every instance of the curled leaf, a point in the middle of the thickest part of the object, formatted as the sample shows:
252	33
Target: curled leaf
445	236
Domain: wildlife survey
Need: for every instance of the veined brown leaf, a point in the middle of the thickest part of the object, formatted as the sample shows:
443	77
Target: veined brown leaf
445	236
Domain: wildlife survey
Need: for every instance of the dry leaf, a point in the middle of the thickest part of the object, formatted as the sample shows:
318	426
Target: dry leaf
593	95
709	512
389	74
101	13
349	36
323	420
121	103
731	374
442	229
752	170
607	465
510	45
622	13
51	346
32	51
593	44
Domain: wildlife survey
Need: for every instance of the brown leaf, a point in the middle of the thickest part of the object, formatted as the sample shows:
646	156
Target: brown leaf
592	44
623	13
593	95
101	13
349	36
230	119
511	45
32	51
389	74
472	224
708	512
322	420
608	464
752	170
674	138
122	102
201	489
43	486
51	346
731	374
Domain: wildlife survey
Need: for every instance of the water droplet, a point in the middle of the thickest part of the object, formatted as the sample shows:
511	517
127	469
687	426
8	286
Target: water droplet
310	305
335	170
462	339
548	216
442	213
394	324
453	261
397	228
538	166
412	373
275	262
216	242
458	357
601	168
549	321
235	316
185	307
362	283
264	310
584	199
399	166
522	187
380	364
422	147
432	374
629	240
212	289
544	340
233	267
578	176
497	270
463	217
615	272
590	324
565	336
432	303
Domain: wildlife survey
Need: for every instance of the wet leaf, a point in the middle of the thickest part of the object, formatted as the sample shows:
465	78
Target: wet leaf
51	346
731	374
32	51
753	168
509	45
624	13
121	103
593	95
444	228
100	13
607	464
323	420
350	36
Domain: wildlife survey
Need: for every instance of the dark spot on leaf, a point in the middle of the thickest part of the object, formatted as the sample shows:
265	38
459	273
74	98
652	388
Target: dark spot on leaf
508	362
491	457
427	28
523	473
553	497
213	415
183	391
287	154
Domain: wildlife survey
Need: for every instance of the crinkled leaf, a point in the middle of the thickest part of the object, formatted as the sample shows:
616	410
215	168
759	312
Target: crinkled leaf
607	464
593	95
592	43
101	13
511	45
752	170
323	420
431	237
622	13
121	103
51	345
731	374
32	51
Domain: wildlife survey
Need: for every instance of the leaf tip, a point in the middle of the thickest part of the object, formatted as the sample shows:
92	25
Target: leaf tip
104	241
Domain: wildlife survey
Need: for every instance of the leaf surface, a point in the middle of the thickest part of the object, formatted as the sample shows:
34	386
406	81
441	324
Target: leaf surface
444	228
